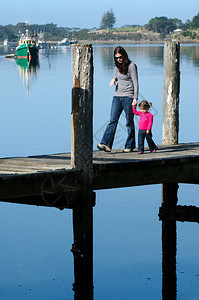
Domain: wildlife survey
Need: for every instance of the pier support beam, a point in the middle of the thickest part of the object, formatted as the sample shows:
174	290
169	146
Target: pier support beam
171	90
82	159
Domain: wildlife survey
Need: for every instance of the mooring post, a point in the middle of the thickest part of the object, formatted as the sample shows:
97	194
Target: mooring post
81	158
82	108
171	89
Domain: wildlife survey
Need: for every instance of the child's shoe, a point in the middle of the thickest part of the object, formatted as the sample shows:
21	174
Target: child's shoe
140	152
154	150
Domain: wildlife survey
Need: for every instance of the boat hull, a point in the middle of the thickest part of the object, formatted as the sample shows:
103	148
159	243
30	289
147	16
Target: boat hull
25	51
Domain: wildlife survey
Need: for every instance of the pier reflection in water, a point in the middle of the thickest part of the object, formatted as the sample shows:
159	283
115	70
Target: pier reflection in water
82	247
169	214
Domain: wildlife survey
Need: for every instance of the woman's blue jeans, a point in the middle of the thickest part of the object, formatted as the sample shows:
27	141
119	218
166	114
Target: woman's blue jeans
118	105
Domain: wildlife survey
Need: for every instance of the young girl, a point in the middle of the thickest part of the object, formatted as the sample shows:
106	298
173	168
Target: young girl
145	124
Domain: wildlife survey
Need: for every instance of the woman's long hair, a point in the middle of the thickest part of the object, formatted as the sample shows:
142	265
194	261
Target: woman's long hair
123	67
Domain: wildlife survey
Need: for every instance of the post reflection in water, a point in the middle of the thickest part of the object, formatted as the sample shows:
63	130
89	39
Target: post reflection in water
169	201
27	69
82	248
170	213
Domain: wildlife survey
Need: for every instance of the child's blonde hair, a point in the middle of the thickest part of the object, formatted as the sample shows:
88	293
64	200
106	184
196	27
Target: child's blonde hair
145	104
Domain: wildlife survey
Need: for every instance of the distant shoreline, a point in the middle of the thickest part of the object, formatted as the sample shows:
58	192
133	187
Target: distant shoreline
118	42
113	42
130	42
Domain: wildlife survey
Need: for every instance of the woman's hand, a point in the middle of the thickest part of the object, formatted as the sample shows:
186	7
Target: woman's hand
134	103
113	82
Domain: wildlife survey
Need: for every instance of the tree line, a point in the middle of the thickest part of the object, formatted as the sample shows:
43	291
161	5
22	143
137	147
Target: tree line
165	25
52	32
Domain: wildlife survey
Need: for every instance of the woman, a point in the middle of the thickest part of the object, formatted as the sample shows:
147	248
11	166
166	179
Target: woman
126	90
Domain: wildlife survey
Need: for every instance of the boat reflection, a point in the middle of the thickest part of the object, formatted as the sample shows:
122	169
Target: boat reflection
27	69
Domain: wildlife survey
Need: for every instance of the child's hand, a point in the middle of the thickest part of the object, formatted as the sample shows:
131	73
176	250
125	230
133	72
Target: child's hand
147	131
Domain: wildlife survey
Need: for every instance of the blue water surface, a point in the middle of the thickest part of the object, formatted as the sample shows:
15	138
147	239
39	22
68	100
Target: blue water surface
36	261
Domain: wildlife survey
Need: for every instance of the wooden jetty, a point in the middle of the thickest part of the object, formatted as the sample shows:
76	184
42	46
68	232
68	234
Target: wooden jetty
83	169
33	176
69	180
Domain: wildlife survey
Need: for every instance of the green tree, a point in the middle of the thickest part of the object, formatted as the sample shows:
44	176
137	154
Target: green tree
186	25
195	21
162	24
108	20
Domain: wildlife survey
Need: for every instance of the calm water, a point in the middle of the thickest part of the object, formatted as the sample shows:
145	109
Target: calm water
36	262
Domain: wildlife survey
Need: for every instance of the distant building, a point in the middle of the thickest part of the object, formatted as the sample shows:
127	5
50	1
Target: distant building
177	30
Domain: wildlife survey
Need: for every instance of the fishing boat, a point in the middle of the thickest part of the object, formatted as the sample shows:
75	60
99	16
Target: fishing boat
27	47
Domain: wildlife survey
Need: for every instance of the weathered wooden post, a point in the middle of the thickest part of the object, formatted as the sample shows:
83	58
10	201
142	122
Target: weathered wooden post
81	158
82	108
171	90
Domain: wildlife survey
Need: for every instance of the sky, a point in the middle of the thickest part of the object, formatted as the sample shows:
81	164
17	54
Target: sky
88	14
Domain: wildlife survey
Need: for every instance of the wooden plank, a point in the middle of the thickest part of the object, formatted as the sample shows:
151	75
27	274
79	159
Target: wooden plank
34	164
100	158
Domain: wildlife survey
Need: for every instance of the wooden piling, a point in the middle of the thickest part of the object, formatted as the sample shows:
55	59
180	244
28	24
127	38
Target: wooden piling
82	108
171	90
82	158
170	128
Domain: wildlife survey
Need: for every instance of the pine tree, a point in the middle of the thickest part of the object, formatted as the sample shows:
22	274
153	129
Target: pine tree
108	20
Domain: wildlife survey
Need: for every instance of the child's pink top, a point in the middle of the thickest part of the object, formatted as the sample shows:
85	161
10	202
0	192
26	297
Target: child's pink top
146	119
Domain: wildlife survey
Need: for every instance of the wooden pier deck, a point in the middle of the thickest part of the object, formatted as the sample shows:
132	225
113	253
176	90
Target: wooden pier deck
31	176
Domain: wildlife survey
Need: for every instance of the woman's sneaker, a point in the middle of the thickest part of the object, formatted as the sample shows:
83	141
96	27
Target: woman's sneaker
140	152
126	150
103	147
